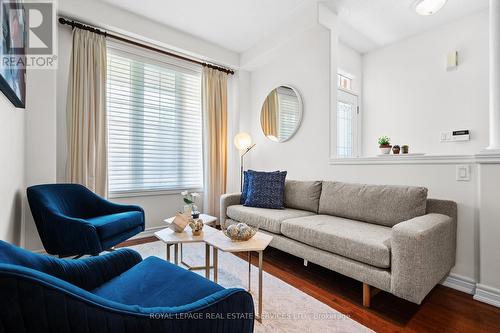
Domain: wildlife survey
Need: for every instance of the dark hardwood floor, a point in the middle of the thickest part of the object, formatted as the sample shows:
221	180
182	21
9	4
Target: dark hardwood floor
443	310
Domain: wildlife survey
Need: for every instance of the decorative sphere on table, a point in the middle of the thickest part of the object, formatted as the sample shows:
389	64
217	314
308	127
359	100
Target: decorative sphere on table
232	231
240	232
244	232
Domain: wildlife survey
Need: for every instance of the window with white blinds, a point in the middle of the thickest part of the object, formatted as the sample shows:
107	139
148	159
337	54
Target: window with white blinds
289	112
154	123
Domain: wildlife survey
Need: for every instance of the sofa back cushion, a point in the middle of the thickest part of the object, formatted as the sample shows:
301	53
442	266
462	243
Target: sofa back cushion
302	195
380	204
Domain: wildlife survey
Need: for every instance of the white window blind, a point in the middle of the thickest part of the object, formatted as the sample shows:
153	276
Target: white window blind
154	123
288	112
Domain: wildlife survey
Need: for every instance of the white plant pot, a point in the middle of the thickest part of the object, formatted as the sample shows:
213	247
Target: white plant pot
385	150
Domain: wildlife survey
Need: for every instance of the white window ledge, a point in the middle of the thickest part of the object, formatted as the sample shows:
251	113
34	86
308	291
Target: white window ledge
419	159
149	193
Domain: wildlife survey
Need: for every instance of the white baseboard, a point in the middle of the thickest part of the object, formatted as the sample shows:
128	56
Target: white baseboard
460	283
487	295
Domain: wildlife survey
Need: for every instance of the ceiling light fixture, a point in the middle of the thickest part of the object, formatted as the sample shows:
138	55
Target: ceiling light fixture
428	7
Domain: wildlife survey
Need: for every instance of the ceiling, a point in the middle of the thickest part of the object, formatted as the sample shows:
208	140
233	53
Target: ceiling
370	24
234	24
238	25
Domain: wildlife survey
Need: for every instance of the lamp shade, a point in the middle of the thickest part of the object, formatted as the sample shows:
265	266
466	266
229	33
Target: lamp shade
242	140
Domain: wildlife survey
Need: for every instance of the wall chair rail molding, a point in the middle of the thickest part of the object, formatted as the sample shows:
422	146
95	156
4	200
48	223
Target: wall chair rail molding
418	159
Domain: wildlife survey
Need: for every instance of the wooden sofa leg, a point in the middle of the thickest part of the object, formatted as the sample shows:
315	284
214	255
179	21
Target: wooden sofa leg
366	295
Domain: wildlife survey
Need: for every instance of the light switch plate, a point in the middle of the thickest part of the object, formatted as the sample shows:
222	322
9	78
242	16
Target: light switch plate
463	173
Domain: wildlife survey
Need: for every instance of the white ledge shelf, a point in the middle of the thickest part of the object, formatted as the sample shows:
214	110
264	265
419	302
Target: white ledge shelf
419	159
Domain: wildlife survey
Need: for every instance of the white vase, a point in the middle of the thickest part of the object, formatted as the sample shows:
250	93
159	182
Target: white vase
385	150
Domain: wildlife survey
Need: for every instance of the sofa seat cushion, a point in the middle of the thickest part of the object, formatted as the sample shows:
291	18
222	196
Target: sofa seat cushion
113	224
155	282
361	241
265	218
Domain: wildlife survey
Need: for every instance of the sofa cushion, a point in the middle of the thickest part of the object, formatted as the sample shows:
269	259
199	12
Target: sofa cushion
265	189
365	242
381	204
110	225
267	219
155	282
302	195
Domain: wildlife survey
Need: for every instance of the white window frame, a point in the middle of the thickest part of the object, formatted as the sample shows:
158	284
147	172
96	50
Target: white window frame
159	59
350	96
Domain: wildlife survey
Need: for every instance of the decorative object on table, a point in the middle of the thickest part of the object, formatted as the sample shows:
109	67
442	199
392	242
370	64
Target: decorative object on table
180	221
396	149
14	43
405	149
196	226
176	239
189	199
281	113
239	232
243	142
384	144
266	189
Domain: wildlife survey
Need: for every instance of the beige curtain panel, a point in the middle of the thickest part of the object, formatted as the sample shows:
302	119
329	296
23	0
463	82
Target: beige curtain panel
269	116
214	99
86	112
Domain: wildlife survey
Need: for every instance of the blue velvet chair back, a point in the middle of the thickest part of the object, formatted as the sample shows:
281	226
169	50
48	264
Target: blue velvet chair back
66	219
44	294
73	200
13	255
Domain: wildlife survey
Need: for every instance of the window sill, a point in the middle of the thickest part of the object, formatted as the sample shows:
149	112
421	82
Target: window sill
150	193
404	159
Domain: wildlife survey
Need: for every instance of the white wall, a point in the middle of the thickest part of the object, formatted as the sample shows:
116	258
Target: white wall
40	140
350	63
121	21
410	97
11	170
303	62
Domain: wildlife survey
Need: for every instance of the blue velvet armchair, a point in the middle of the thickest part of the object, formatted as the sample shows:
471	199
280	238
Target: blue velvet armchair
72	220
115	292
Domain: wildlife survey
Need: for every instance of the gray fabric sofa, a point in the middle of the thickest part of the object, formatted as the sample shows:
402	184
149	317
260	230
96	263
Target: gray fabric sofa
389	237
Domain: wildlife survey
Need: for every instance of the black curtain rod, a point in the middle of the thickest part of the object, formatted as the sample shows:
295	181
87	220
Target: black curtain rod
79	25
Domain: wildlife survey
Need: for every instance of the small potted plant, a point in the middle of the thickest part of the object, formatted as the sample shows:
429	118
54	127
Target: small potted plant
384	144
405	149
396	149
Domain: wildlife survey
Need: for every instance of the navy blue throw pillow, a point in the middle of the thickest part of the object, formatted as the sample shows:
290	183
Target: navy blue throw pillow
244	191
266	189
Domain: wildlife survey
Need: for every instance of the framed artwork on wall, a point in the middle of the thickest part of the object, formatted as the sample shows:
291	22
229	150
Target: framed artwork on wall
13	52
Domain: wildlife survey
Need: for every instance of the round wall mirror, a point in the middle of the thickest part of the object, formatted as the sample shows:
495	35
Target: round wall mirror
281	114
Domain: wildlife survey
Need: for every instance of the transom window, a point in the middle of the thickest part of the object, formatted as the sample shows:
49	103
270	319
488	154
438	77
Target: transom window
154	123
